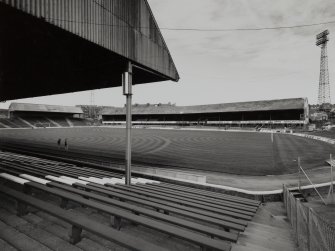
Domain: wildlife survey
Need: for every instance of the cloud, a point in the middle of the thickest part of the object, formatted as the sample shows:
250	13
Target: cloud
283	60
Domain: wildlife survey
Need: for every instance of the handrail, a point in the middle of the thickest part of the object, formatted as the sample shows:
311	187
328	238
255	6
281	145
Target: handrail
312	185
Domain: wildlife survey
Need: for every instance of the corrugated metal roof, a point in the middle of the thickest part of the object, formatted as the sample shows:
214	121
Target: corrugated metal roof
263	105
24	107
78	45
127	27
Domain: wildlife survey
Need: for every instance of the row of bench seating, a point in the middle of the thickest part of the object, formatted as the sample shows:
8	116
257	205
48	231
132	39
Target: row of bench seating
80	156
57	167
120	210
194	203
202	197
177	210
41	121
78	223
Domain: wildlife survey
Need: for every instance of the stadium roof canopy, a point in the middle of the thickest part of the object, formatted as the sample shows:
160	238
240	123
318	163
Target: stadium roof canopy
53	47
22	107
264	105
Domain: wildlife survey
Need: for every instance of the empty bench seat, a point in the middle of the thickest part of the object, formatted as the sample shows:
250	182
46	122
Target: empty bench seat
203	241
81	222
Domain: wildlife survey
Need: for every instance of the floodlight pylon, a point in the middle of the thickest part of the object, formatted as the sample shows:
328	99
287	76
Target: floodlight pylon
324	86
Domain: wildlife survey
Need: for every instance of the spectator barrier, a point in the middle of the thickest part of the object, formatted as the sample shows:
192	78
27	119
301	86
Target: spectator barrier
312	232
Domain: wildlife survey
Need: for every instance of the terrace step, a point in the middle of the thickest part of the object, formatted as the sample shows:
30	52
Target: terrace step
25	122
35	227
266	232
4	125
4	246
248	247
53	122
19	240
268	228
47	239
270	241
69	122
60	229
271	232
53	232
89	245
264	217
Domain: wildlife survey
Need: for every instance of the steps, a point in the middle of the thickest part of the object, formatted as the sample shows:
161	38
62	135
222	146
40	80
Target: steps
26	122
38	231
4	125
269	230
19	240
69	122
52	122
42	232
4	246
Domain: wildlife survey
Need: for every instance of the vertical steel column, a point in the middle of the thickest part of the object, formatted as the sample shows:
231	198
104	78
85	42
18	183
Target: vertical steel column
127	91
331	189
331	175
299	182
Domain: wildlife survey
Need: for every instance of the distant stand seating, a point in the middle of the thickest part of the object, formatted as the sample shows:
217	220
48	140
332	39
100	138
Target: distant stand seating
4	123
28	122
61	121
38	121
9	123
19	123
79	122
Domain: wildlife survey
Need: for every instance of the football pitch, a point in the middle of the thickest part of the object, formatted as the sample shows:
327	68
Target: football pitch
245	153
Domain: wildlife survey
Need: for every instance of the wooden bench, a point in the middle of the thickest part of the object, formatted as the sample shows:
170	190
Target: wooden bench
224	221
80	222
41	171
236	207
161	203
52	169
191	200
213	194
64	193
201	240
210	194
231	223
7	170
38	173
28	151
64	170
23	169
231	202
182	201
238	226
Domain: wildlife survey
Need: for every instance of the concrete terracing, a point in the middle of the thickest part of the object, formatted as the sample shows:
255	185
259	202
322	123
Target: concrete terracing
38	231
269	230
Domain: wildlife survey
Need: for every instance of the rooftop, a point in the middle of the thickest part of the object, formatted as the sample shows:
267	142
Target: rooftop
64	52
44	108
263	105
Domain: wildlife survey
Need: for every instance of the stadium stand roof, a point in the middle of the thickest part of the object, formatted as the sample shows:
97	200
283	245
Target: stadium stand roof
53	47
23	107
264	105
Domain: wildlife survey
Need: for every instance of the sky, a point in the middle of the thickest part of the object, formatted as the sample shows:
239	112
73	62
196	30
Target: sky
231	66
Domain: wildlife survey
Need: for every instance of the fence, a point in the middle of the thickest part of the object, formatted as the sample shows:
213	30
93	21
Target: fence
311	231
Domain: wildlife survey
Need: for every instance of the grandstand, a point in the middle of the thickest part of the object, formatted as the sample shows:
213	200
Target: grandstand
22	115
83	45
284	112
92	111
3	113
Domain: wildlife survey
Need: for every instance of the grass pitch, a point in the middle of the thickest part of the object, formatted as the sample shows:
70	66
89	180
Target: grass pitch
246	153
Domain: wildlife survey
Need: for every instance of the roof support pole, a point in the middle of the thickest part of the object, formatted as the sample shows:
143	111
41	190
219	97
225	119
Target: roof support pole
127	91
